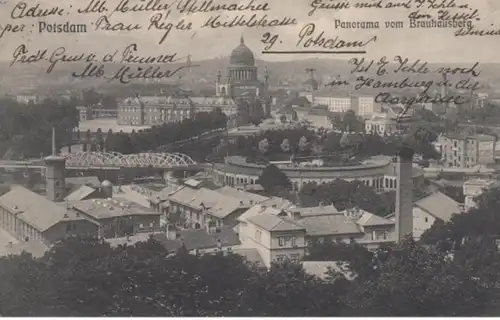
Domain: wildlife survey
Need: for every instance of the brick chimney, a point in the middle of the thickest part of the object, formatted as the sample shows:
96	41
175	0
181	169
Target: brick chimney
404	193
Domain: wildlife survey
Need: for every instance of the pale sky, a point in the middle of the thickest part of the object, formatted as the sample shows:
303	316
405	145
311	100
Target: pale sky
434	45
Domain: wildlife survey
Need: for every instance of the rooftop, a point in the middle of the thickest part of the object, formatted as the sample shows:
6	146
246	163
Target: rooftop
439	205
34	209
218	204
133	193
315	211
106	124
271	222
111	208
80	194
200	239
370	220
163	194
333	224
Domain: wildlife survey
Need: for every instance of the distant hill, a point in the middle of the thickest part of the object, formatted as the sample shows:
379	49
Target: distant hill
33	76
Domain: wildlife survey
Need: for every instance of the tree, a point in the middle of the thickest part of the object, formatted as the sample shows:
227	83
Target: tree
350	123
88	136
344	195
411	280
359	260
285	145
287	290
99	140
108	141
479	257
272	177
263	145
303	144
481	221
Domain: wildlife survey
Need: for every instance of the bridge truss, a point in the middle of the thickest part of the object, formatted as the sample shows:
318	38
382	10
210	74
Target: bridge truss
138	160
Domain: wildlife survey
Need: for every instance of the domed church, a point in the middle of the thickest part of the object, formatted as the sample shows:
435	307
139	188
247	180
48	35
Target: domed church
242	84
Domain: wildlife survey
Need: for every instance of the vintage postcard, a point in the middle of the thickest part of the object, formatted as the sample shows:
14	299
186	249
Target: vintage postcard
249	158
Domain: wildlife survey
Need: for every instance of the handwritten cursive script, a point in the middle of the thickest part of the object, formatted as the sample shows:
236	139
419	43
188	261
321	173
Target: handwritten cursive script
310	38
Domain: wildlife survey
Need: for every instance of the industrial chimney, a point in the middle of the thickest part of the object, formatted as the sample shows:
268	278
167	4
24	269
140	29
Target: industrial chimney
404	193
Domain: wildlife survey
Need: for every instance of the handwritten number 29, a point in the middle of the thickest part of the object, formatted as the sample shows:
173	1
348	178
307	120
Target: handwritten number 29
269	39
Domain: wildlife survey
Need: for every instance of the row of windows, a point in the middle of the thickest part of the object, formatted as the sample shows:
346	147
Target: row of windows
287	241
292	257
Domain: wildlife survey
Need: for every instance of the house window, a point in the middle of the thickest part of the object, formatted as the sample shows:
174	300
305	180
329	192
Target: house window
258	236
280	257
281	241
294	241
68	227
294	257
426	219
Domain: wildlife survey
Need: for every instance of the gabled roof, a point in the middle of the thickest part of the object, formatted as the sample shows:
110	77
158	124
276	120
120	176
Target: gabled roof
271	222
257	210
315	211
369	220
163	194
80	194
218	204
34	209
242	194
333	224
439	206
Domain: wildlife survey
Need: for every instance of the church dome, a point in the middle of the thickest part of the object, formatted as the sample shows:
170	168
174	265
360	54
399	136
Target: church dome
242	55
106	183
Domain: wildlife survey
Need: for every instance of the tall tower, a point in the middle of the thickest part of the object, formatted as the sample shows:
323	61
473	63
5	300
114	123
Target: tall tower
404	193
55	174
313	84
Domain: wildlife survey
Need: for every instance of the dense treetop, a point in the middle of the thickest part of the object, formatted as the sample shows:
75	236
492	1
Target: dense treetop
85	277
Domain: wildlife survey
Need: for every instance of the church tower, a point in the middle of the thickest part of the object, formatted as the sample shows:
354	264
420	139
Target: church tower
55	174
404	193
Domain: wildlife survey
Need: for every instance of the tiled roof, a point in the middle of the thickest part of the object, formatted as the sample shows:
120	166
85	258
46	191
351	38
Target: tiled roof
315	211
134	194
200	239
33	208
271	222
439	205
110	208
163	194
80	193
369	219
218	204
333	224
242	194
257	210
